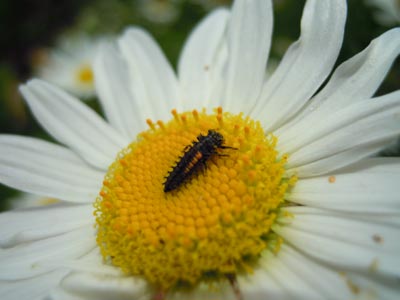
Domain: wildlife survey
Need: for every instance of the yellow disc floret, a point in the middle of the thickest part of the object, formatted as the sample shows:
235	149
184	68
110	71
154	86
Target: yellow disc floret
214	225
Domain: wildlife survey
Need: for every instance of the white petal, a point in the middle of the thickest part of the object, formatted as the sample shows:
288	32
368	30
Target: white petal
91	263
197	61
292	140
97	286
153	81
220	290
361	124
47	169
113	86
21	226
370	186
248	41
34	288
371	287
293	285
218	74
354	80
60	294
25	260
303	278
367	243
261	285
338	160
305	65
73	123
291	275
325	281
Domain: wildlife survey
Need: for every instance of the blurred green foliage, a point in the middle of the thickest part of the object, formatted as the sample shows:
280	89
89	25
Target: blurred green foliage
40	23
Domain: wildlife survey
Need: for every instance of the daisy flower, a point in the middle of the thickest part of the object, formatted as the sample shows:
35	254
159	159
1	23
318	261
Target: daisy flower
220	182
70	65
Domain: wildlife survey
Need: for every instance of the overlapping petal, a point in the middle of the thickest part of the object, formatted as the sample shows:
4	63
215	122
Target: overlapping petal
360	125
261	285
35	288
248	41
121	108
92	262
354	189
72	123
289	274
29	225
339	160
47	169
152	79
325	281
354	80
305	65
100	286
371	246
340	120
197	64
31	259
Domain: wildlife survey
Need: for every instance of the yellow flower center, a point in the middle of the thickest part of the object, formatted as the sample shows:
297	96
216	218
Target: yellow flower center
84	75
214	224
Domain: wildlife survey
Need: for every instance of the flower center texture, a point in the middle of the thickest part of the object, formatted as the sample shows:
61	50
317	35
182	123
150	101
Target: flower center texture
215	220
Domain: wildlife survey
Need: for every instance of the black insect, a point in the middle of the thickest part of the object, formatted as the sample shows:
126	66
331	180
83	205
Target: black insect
194	158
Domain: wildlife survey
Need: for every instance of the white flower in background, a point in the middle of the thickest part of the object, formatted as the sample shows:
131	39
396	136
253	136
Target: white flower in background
294	208
159	11
70	64
26	200
388	13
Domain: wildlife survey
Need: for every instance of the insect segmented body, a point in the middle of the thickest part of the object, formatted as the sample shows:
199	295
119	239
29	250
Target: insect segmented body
194	158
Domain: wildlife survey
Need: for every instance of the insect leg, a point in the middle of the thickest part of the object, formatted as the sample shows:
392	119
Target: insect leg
228	147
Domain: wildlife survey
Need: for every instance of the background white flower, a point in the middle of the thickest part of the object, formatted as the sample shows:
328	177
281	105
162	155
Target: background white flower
343	240
70	64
